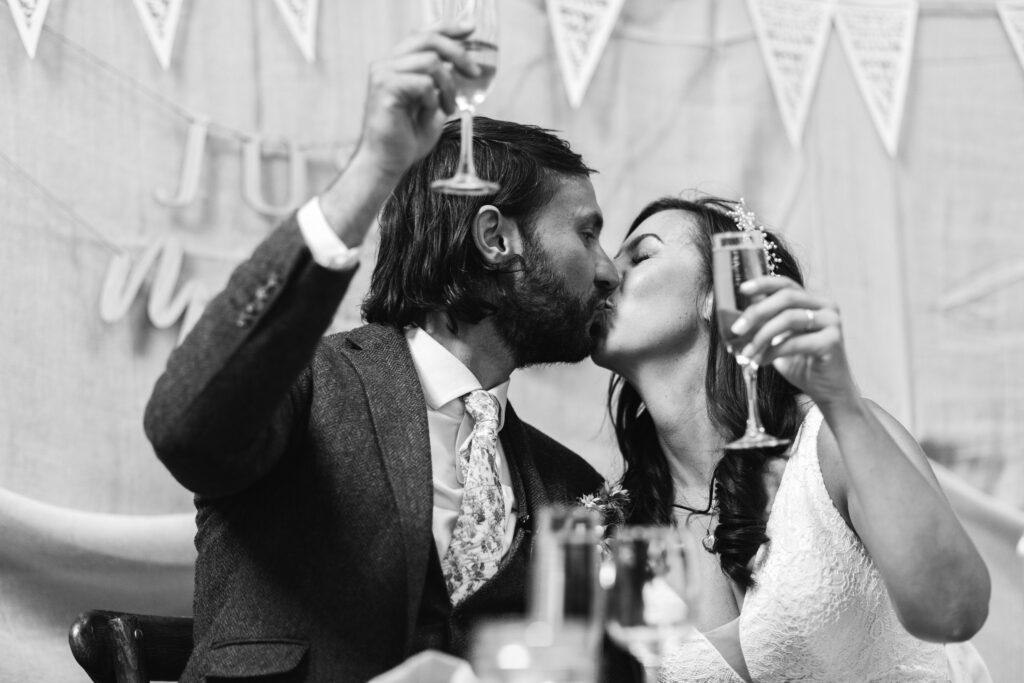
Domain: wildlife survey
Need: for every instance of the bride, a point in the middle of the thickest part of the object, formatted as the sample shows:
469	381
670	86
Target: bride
836	560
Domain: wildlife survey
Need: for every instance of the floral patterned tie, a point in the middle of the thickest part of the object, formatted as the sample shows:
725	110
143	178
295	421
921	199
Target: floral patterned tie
475	551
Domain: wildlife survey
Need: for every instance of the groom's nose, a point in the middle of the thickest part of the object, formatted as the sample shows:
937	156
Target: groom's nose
607	275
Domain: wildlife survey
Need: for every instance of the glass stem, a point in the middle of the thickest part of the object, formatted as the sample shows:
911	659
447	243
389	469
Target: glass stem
754	427
466	165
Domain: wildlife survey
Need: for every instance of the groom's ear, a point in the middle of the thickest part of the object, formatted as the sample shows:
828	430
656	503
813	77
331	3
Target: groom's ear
495	235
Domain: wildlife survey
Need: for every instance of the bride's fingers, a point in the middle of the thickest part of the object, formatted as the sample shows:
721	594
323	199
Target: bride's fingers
790	323
759	313
817	344
767	284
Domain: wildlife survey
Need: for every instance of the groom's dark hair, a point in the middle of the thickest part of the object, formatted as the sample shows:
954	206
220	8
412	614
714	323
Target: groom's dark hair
427	260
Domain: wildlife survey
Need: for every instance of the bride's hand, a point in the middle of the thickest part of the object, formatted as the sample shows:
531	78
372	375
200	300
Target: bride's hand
800	334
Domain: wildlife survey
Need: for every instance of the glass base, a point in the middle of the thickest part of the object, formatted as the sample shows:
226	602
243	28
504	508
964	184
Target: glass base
464	184
761	440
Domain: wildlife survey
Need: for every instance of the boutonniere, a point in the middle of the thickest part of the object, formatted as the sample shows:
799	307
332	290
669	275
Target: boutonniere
610	501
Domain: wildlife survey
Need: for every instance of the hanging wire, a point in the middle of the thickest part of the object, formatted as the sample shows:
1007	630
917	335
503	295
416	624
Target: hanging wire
219	129
60	204
639	36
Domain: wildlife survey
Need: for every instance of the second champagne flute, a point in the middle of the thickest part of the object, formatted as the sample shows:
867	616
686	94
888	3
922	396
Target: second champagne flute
652	597
738	257
482	47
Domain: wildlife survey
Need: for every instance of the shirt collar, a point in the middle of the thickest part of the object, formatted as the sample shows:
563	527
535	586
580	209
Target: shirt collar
443	377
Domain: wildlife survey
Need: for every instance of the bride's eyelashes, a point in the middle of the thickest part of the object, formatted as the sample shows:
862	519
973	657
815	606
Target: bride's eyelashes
638	257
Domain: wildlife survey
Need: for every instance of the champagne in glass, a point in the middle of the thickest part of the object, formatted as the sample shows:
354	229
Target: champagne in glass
482	47
470	92
652	598
736	258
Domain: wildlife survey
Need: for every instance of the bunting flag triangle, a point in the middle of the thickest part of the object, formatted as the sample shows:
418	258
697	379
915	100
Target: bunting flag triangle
29	16
792	35
300	16
1012	15
160	19
878	38
581	29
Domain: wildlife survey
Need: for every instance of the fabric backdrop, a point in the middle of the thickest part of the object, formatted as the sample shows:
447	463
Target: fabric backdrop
920	251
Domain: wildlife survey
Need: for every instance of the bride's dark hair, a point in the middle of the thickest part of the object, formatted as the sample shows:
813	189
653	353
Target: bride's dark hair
739	496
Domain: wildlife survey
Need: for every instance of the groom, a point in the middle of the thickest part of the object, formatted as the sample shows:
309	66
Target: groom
366	496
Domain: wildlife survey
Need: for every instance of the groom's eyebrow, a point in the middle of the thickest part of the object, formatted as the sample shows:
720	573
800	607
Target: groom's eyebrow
591	219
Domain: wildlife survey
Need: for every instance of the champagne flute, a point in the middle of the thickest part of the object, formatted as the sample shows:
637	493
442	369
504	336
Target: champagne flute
563	577
738	257
482	47
558	640
652	596
515	650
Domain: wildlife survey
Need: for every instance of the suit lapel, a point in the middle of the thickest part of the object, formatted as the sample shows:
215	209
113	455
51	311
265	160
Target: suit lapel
532	493
533	490
398	410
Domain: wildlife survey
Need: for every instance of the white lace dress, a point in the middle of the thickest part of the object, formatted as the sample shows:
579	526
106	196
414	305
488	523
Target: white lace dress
819	611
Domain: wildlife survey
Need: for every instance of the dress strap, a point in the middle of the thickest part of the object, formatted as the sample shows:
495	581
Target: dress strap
806	440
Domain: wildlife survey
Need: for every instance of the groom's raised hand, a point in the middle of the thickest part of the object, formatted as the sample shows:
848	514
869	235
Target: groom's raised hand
410	94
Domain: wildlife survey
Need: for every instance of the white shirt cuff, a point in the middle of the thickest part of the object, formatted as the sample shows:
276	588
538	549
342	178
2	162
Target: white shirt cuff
324	244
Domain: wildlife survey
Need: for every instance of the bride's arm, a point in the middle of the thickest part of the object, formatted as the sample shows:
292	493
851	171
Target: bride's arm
879	476
875	471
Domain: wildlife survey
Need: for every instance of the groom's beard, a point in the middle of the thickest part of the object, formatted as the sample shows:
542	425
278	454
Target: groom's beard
541	321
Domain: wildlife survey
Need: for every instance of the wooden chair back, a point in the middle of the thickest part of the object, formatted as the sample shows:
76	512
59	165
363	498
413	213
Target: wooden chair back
122	647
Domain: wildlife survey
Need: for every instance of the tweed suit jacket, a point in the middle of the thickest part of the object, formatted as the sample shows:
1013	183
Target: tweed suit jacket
310	460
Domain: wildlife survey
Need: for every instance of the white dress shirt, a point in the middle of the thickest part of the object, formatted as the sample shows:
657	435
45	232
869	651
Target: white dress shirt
444	379
323	243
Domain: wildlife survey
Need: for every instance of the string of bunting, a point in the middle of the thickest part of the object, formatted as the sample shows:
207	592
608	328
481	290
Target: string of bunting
160	262
581	29
1011	12
877	37
160	19
253	147
792	35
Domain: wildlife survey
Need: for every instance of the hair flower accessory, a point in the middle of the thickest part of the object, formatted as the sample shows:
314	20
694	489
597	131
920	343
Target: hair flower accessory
746	221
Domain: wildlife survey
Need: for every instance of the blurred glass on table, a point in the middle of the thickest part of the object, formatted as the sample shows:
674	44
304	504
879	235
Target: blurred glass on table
524	651
559	639
565	567
429	666
652	592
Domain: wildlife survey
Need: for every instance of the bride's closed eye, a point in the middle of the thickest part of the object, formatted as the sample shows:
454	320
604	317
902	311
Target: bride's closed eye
642	247
638	257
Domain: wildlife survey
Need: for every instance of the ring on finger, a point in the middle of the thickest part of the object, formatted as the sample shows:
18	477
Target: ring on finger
810	320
